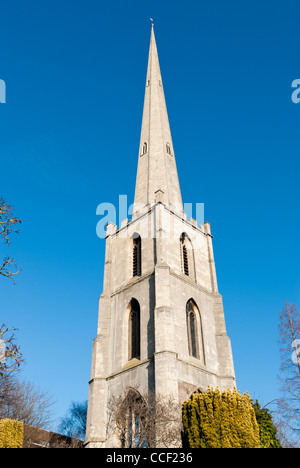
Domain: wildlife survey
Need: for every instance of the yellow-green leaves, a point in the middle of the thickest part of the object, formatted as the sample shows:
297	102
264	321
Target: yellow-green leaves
216	419
11	433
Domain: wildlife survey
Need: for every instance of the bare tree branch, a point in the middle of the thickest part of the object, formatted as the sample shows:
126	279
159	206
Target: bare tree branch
10	354
7	227
74	423
136	421
288	407
4	268
7	222
24	402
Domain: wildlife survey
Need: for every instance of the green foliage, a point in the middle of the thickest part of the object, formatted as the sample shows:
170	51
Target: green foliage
267	430
217	419
11	433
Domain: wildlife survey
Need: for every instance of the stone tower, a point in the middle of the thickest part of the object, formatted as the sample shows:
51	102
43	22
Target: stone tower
161	323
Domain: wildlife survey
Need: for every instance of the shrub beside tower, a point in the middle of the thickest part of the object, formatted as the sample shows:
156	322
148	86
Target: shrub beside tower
216	419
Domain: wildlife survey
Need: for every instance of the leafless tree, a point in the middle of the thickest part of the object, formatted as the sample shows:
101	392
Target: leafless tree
8	225
74	423
10	354
289	405
136	421
24	402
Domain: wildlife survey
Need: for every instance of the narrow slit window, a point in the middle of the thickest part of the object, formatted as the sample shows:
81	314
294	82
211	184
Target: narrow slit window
144	149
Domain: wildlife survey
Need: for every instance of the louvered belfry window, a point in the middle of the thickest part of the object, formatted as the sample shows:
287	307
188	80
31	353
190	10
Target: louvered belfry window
184	255
185	260
137	256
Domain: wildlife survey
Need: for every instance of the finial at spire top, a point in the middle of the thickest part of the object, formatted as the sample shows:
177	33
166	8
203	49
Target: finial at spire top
152	24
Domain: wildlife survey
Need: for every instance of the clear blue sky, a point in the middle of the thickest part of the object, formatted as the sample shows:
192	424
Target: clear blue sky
75	72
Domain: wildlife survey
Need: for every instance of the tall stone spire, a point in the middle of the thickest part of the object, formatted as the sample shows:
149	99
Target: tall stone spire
157	177
161	326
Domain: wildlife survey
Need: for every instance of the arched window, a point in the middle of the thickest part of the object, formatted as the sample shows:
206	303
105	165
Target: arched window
187	256
145	148
133	420
194	331
134	338
137	255
185	260
168	147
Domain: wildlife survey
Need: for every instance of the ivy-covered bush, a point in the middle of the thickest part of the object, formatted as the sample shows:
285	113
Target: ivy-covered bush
216	419
11	433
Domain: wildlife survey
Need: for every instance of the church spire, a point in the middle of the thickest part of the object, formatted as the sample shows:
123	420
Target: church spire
157	178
